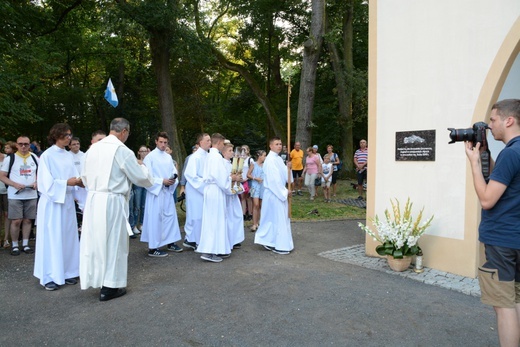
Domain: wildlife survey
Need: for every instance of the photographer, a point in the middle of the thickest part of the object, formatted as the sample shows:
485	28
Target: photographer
499	228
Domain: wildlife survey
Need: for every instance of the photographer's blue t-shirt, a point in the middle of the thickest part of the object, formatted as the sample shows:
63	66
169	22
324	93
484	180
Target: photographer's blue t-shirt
500	225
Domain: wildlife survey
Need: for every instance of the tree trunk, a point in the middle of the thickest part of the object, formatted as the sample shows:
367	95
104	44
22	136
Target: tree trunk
347	145
161	62
311	55
343	74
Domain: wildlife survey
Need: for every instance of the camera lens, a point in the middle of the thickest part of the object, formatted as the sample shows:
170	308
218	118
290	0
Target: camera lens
457	135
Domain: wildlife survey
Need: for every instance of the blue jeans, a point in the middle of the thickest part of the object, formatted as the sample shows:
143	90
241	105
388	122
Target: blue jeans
136	206
132	215
140	201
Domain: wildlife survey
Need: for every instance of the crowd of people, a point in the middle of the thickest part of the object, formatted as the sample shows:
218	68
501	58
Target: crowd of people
108	195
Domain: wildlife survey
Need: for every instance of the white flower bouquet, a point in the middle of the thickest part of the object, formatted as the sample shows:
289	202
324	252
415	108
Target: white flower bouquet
398	233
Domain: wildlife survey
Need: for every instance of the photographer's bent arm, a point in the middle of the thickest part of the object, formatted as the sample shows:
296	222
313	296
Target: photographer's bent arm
488	193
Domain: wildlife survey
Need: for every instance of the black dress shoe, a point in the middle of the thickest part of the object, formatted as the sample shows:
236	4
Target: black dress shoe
111	293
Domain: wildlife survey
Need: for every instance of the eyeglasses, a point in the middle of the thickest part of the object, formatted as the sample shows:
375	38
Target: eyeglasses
23	144
68	135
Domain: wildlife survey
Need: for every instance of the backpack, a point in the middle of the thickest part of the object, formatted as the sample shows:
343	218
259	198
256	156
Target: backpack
11	162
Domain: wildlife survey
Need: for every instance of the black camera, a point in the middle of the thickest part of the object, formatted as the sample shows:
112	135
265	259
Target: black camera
181	197
477	134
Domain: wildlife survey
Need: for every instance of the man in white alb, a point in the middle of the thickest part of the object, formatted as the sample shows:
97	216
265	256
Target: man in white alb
77	154
195	191
160	225
214	242
274	232
110	169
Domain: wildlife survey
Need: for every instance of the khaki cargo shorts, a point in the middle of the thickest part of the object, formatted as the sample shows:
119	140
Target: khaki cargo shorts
499	277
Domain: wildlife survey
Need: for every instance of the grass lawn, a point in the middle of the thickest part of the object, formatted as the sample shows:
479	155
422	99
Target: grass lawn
301	206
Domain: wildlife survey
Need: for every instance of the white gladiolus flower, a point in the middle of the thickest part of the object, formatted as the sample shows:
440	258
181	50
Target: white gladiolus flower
398	229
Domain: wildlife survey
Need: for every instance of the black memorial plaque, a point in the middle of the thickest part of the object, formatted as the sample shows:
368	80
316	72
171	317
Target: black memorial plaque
415	145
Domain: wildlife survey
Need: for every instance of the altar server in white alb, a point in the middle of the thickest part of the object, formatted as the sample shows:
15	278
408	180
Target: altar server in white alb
160	226
214	241
110	169
274	232
56	260
195	191
234	217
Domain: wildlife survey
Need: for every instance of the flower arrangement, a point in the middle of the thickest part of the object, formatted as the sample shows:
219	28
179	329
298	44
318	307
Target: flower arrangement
398	233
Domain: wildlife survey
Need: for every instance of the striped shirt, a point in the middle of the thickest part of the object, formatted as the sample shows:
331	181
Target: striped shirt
361	156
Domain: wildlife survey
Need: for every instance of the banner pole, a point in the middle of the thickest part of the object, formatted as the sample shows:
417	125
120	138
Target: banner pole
289	173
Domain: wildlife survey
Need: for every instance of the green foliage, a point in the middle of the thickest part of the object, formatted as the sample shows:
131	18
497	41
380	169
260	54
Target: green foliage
58	55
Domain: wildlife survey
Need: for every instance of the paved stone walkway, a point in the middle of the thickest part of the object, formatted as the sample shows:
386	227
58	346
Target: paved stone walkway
352	202
356	255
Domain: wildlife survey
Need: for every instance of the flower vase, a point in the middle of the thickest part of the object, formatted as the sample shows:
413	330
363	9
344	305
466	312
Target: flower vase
399	265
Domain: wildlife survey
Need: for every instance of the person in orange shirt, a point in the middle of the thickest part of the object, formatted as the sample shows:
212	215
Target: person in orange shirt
296	158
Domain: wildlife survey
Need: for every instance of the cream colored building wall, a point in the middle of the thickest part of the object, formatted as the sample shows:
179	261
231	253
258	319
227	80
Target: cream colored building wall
429	69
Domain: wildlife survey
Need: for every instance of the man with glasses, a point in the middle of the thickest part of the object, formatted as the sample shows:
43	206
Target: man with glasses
78	159
77	154
56	261
18	172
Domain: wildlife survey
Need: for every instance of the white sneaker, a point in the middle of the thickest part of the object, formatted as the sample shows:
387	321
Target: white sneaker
136	231
277	251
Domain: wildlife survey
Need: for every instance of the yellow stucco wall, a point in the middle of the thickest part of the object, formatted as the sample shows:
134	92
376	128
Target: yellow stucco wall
445	186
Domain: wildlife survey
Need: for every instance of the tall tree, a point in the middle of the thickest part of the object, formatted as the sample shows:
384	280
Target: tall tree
159	18
340	44
311	55
342	62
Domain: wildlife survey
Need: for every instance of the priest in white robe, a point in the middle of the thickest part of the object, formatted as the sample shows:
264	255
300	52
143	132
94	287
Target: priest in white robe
214	241
161	226
274	232
194	191
56	260
110	169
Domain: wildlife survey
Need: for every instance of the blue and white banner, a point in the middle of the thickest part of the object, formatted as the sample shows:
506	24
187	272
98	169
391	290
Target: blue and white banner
110	94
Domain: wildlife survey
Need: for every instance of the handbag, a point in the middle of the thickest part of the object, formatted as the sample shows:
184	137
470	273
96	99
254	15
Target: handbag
317	181
245	185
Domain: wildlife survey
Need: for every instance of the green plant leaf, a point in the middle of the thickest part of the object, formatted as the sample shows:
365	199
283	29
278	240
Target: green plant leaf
398	254
381	250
